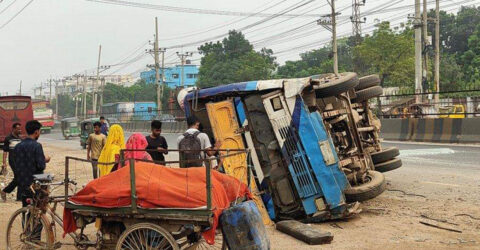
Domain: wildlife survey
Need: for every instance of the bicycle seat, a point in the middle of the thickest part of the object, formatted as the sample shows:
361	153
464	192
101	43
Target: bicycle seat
43	177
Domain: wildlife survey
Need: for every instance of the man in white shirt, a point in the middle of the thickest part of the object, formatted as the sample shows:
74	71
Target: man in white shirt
192	141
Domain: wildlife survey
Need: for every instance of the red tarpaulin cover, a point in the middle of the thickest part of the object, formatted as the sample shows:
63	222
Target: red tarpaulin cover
159	187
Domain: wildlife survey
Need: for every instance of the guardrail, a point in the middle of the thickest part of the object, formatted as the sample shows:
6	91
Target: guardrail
447	130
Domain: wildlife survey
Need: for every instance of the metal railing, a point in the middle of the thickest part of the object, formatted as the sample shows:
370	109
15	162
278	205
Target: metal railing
453	103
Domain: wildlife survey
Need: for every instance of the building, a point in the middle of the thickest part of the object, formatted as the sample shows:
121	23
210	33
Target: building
173	77
74	84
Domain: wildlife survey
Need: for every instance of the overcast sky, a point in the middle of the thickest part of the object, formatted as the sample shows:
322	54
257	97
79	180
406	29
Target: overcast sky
56	38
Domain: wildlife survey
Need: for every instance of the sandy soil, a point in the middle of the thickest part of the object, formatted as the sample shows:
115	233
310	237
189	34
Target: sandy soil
390	221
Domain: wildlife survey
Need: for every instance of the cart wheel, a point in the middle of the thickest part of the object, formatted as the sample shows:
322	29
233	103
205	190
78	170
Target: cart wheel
29	232
201	244
146	236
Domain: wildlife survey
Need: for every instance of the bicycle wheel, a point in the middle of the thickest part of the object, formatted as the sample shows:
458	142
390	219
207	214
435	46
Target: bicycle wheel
27	231
146	236
201	244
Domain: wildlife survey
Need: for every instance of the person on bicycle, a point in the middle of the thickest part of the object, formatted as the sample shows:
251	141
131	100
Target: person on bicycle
10	142
29	160
193	141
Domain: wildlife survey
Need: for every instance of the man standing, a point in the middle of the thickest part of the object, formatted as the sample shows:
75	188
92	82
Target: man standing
104	127
157	142
193	142
95	143
10	142
29	160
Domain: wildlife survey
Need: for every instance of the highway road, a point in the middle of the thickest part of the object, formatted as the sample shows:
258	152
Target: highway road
438	184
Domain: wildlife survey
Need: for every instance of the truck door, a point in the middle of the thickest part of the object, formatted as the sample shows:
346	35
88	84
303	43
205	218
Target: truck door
225	128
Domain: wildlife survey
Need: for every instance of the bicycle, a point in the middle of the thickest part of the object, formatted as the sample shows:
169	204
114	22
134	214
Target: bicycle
29	227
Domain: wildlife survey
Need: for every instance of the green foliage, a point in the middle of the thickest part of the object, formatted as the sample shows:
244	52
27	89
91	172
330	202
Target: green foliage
233	60
318	61
390	54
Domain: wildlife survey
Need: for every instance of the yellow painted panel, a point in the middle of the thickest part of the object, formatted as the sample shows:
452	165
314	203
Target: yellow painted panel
225	126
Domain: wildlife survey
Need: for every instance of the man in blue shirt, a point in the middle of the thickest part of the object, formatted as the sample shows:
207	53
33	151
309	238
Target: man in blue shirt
29	160
104	127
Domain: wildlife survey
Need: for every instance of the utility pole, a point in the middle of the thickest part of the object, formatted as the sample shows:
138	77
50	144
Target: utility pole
85	96
20	92
101	96
183	56
162	83
334	39
157	66
329	23
50	83
356	20
437	52
56	98
425	43
418	52
94	97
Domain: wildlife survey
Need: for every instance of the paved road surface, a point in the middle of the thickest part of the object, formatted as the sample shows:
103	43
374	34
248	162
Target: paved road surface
439	181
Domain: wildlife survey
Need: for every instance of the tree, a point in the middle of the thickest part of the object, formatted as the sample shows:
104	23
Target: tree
471	58
318	61
390	54
233	60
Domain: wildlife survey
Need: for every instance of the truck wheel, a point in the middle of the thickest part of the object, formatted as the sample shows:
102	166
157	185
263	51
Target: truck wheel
367	82
384	155
388	165
332	85
365	94
374	187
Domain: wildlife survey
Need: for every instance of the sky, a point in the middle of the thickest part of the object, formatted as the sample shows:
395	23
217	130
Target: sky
57	38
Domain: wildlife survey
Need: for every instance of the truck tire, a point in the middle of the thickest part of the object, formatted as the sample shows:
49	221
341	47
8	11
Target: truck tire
365	94
369	190
388	165
367	82
332	85
384	155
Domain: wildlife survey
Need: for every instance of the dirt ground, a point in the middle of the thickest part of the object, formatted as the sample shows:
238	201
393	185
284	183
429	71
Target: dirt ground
390	221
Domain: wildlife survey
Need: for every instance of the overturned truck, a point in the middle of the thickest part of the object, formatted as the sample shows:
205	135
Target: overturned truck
308	158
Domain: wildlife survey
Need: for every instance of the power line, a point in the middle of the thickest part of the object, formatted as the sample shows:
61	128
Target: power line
189	10
289	9
8	6
16	14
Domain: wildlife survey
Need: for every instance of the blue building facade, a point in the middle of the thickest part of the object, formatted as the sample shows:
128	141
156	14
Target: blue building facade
173	75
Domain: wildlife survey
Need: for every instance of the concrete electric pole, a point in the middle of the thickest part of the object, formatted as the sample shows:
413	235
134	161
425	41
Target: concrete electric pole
329	23
85	96
157	67
334	39
437	51
94	97
418	52
56	98
183	56
425	43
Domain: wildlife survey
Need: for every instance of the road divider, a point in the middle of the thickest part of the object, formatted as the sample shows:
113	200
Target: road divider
144	126
447	130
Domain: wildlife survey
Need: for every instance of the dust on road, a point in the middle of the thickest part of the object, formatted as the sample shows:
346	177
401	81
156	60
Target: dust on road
421	190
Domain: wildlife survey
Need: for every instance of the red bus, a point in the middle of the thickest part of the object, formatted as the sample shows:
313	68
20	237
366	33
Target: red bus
14	109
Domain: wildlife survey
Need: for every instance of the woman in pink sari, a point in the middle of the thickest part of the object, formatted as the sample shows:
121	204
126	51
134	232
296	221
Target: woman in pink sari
137	141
